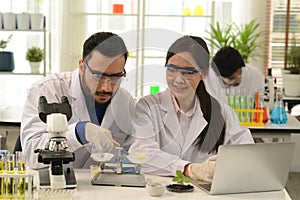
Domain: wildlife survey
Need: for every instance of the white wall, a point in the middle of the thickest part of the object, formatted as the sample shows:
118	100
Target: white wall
244	11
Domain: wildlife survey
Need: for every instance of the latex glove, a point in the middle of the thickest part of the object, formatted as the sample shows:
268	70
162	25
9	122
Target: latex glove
203	171
100	137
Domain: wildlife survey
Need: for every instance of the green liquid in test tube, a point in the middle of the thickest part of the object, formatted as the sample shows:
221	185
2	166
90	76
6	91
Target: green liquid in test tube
247	114
236	105
154	89
9	181
21	169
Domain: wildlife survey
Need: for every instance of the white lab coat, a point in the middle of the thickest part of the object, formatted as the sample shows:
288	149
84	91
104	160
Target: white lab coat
252	81
157	132
33	131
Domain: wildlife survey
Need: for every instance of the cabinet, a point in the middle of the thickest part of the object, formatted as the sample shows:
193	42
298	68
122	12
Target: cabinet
14	85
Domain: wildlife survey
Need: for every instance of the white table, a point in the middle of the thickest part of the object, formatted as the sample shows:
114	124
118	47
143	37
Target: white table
277	131
85	190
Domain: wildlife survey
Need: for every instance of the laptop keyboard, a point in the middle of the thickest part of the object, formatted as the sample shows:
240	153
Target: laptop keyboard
206	186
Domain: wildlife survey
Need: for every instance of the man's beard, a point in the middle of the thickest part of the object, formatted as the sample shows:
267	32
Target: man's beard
91	95
101	104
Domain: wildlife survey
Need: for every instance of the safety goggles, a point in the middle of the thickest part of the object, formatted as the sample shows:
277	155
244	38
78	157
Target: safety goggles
98	76
230	81
187	73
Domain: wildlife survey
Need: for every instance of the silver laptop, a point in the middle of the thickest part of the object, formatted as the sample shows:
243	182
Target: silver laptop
250	168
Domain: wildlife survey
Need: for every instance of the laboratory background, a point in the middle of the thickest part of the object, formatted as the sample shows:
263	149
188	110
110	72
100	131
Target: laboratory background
148	28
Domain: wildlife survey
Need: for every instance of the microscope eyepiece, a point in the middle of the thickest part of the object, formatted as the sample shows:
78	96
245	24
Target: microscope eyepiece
64	99
42	99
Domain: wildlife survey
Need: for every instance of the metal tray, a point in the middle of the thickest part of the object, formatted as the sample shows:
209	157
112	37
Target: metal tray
122	180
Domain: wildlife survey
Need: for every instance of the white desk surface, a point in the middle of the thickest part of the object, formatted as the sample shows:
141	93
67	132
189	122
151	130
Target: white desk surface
277	131
87	191
293	124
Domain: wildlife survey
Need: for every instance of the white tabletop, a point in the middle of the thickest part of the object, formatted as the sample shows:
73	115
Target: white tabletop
292	125
85	190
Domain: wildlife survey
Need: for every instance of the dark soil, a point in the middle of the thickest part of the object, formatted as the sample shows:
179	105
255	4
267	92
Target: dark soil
180	188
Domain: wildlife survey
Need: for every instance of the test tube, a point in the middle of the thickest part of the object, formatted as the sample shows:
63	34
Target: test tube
242	105
2	160
9	181
21	169
20	162
119	160
230	94
237	103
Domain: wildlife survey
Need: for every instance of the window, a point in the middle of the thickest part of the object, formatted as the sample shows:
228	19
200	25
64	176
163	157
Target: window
284	26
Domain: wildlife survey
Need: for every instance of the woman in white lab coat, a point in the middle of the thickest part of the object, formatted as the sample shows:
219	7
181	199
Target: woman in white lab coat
182	127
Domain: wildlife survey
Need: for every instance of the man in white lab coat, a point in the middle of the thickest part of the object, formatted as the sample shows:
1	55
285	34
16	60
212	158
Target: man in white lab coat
100	108
229	73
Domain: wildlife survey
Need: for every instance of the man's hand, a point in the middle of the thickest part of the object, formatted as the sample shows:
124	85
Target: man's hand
100	137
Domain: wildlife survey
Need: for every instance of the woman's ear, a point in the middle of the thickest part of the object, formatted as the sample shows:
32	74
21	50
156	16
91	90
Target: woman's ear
204	73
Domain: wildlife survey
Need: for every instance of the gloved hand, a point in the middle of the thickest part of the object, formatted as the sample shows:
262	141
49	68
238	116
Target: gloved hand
100	137
202	171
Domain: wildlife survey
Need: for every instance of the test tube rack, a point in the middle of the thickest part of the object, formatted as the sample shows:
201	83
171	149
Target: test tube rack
14	178
255	117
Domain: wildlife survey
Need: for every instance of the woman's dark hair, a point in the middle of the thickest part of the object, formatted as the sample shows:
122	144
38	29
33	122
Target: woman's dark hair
107	43
213	135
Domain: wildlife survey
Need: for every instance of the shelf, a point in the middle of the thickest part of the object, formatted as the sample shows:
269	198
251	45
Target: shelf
42	35
183	16
17	30
103	14
20	73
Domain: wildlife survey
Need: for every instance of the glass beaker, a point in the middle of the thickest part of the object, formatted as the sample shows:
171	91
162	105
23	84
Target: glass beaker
278	115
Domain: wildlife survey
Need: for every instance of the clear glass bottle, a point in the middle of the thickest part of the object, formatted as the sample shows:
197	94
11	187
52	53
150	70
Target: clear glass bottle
278	115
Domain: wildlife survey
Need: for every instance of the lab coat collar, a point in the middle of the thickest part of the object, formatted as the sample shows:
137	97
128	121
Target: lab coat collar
170	118
198	122
78	99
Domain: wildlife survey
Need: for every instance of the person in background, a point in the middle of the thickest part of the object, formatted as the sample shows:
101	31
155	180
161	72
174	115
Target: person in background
182	127
230	72
101	110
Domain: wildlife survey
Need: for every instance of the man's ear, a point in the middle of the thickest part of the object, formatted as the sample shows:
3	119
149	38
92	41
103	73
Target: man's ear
81	66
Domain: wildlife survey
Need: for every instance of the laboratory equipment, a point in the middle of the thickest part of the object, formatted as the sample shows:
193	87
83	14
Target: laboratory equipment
3	141
278	115
56	116
260	105
120	172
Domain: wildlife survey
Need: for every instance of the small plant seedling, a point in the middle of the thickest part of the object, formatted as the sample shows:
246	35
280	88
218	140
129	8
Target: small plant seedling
180	178
3	43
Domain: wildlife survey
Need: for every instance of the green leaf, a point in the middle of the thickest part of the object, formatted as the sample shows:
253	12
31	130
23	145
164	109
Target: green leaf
176	179
34	54
179	173
180	178
186	179
241	37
